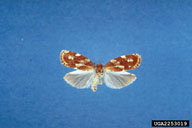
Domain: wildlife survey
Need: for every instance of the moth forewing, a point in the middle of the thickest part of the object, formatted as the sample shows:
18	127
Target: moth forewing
123	63
117	80
76	61
80	79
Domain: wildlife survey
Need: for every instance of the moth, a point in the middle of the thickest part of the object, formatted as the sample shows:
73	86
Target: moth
87	74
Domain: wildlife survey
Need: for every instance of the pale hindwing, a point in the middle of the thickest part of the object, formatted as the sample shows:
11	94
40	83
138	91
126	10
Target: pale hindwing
117	80
80	79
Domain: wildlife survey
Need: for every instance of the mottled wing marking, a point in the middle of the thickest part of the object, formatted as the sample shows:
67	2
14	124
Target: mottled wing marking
80	79
75	60
117	80
123	63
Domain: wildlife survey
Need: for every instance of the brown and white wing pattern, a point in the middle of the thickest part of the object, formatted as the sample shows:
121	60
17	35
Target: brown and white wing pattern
75	60
122	63
117	80
114	71
80	79
115	75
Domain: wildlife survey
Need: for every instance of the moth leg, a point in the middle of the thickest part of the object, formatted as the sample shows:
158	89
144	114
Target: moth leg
94	88
101	82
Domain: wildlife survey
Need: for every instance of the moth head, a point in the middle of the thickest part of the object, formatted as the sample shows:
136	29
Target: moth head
99	68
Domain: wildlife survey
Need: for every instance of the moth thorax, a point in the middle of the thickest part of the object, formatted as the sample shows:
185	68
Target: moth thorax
99	69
